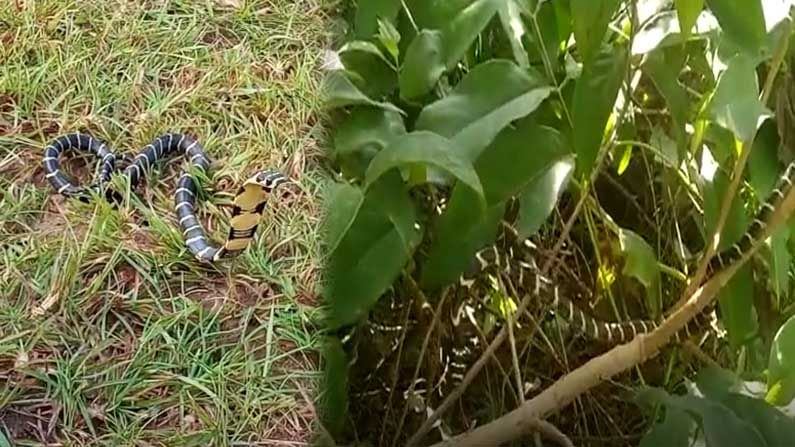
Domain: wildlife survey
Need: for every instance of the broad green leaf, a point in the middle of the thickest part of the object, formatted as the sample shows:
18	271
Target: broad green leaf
745	25
735	104
459	233
541	195
427	149
763	166
594	97
489	98
779	262
673	431
4	442
343	205
590	19
369	257
432	52
775	427
364	133
736	302
737	220
435	13
365	60
341	92
517	157
688	11
664	72
389	37
716	383
721	426
781	365
640	262
335	386
369	12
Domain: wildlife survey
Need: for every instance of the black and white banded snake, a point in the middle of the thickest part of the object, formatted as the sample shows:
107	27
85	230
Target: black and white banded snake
248	203
518	261
514	259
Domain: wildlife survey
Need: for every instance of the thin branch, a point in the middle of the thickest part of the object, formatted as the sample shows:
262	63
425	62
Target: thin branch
425	341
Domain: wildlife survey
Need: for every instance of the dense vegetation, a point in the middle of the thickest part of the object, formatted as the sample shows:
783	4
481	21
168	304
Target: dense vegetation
619	136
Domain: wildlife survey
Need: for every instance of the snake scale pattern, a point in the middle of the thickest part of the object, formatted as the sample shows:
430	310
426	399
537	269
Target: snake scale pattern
248	205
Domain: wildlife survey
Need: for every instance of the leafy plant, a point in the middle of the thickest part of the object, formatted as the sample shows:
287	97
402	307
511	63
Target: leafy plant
448	113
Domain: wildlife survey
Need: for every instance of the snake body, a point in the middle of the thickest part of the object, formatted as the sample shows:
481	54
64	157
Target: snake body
248	204
517	263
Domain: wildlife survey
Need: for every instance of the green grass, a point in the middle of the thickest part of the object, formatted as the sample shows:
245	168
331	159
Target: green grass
110	334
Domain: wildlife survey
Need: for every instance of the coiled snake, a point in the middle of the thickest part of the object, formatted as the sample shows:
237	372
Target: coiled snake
248	204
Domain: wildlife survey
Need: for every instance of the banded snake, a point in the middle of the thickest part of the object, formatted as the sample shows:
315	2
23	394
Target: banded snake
518	260
248	204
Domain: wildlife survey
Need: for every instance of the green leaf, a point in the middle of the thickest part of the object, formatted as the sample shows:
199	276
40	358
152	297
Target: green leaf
736	303
341	92
505	169
780	261
433	52
673	431
688	11
369	12
721	426
389	37
590	19
343	205
367	62
335	386
775	427
664	72
594	97
745	25
541	195
716	383
363	134
763	163
737	221
640	262
781	365
369	257
460	232
489	98
427	149
735	104
4	442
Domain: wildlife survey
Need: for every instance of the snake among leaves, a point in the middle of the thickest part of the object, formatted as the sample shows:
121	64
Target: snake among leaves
248	204
517	263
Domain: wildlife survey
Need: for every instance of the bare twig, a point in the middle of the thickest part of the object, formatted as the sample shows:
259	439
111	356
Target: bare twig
425	341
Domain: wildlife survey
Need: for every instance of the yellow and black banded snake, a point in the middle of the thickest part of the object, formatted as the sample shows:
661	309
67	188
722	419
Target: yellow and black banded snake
247	208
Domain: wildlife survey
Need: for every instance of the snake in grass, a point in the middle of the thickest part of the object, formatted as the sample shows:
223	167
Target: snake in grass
248	204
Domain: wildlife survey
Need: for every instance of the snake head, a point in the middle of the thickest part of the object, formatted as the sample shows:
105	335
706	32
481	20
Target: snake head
269	179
